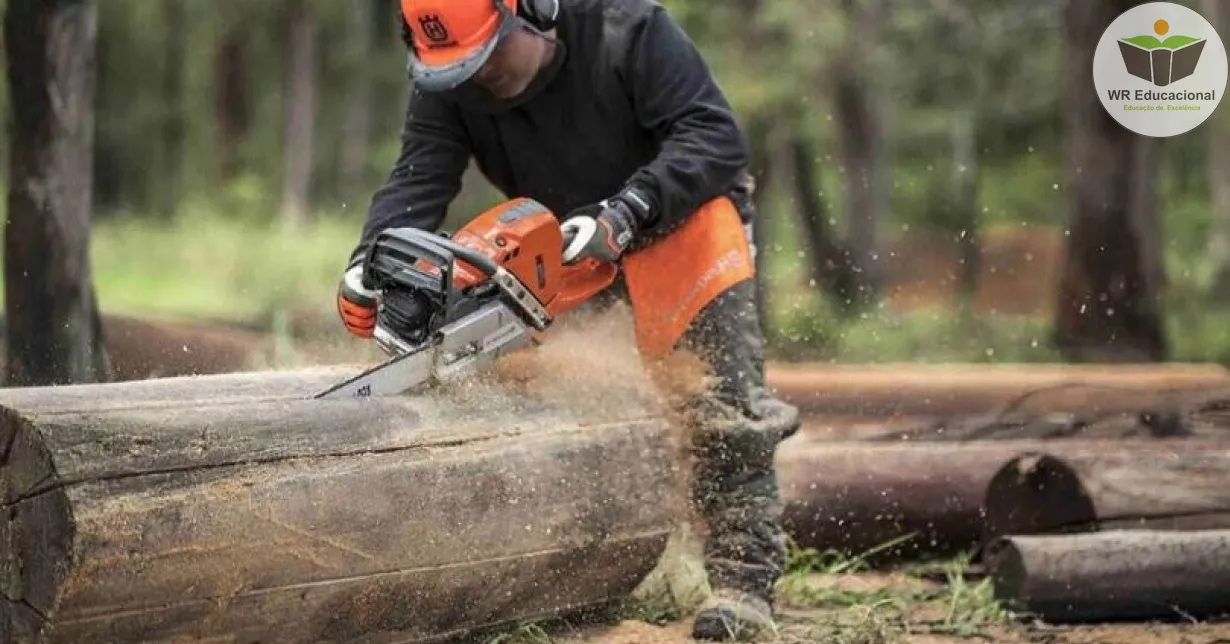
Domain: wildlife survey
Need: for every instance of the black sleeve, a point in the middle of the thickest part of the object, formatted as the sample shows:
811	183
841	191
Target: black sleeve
674	93
427	174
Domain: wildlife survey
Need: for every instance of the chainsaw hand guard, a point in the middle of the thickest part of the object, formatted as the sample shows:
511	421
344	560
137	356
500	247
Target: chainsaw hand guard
415	272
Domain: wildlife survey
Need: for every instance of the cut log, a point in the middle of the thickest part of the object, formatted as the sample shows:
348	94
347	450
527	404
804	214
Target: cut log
245	515
1116	575
854	497
1068	487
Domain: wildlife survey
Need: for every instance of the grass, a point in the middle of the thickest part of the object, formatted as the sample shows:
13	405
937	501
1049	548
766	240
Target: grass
236	269
886	607
218	269
827	596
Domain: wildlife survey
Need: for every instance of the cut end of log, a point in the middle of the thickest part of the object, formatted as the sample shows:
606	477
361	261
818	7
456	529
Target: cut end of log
1035	493
35	527
1008	581
36	540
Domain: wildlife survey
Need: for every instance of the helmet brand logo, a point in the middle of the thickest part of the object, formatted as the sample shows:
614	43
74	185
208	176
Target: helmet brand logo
433	29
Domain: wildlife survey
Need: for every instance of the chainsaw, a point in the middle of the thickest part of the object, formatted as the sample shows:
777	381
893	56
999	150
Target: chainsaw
448	305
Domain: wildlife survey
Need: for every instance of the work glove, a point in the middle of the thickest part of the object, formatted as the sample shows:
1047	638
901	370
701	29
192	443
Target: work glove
356	303
604	230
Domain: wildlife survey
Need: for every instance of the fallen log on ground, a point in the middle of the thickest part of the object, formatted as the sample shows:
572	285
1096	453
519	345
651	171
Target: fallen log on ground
234	508
1167	421
1116	575
965	389
856	496
1090	486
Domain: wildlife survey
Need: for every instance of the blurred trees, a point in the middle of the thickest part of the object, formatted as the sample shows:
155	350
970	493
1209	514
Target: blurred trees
870	120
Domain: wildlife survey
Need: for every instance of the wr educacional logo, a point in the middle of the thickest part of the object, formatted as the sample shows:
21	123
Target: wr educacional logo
1160	69
1161	62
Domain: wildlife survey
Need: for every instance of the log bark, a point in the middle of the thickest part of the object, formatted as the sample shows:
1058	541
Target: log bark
855	497
1065	488
236	508
1114	576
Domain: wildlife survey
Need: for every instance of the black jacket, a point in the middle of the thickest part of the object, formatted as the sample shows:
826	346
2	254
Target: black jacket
627	100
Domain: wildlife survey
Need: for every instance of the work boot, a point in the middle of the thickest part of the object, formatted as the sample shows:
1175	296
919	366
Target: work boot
730	615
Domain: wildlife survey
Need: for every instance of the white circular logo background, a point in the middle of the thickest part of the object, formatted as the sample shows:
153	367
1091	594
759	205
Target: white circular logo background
1160	69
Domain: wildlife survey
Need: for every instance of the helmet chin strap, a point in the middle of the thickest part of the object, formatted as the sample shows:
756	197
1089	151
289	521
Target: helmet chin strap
527	26
551	41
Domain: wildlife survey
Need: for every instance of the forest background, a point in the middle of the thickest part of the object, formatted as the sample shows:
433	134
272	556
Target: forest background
937	181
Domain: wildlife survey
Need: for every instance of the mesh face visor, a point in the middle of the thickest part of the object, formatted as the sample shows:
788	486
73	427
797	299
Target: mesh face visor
442	68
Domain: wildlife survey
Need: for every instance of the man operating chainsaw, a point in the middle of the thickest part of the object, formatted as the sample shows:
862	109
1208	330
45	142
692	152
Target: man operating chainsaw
605	112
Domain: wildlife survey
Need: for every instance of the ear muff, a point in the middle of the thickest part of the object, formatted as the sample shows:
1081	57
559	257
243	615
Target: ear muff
541	14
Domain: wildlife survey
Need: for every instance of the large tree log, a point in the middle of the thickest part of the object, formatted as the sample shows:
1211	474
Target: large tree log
1072	487
854	497
1114	576
235	508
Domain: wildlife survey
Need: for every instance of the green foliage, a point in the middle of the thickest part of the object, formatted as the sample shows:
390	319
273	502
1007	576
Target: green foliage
224	267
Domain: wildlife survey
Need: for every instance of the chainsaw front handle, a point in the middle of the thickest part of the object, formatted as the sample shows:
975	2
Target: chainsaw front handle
577	233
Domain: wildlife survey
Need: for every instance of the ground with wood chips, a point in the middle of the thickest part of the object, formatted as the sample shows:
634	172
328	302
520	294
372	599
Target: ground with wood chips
834	601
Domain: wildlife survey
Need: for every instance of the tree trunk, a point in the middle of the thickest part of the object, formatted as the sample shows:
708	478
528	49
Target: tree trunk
300	106
965	188
53	328
835	266
1218	167
174	127
1114	575
862	143
231	103
1064	489
236	508
356	144
1109	306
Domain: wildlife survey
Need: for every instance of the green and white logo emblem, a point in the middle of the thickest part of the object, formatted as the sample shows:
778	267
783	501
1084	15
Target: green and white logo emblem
1160	69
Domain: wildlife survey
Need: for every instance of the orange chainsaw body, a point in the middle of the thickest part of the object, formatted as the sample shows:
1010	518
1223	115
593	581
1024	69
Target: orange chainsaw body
524	238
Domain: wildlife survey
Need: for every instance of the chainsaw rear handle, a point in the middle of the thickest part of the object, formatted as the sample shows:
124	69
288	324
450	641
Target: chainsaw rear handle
392	256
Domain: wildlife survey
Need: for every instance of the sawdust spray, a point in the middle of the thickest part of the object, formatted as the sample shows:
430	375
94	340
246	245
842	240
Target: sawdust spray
589	365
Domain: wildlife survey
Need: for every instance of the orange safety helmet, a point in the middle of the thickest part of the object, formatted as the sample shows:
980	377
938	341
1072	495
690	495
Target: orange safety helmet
450	40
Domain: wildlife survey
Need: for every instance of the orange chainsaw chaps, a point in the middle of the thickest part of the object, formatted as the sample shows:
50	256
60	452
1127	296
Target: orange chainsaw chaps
672	280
